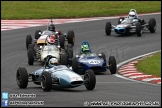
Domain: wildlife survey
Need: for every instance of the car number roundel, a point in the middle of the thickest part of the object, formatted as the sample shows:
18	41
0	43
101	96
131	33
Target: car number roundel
94	62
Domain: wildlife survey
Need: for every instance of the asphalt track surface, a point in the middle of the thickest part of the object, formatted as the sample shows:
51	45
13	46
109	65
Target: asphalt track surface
108	87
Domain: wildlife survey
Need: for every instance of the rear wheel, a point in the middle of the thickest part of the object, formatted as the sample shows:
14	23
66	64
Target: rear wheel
75	64
63	59
89	79
37	35
62	41
108	28
71	37
69	46
30	54
22	77
112	64
28	40
46	82
152	25
70	56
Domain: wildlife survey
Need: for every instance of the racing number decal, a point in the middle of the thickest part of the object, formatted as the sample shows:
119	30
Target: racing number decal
94	62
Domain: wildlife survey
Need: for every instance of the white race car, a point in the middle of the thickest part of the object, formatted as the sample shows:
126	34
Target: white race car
39	53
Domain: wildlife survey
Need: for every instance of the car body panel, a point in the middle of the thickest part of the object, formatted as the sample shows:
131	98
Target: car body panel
50	50
125	26
66	77
42	39
91	61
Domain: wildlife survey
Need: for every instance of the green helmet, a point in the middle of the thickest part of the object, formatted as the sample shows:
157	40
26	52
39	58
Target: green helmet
85	48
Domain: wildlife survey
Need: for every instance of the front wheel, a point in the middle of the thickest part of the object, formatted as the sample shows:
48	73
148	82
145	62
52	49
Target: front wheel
108	28
112	64
46	82
138	29
22	77
89	79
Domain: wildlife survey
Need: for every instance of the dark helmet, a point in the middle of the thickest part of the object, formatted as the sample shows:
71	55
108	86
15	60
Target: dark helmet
51	27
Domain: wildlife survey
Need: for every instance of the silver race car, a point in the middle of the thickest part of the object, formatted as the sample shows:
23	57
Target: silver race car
60	37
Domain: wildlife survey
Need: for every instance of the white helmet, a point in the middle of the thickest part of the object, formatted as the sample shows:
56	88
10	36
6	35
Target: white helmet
132	14
52	62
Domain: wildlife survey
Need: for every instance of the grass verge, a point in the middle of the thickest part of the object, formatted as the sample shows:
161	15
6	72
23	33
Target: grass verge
73	9
150	65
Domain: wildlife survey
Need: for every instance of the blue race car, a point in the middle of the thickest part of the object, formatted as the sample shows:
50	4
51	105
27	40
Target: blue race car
53	74
131	24
88	60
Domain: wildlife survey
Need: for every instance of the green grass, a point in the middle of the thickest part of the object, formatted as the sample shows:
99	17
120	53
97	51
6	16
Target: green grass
150	65
73	9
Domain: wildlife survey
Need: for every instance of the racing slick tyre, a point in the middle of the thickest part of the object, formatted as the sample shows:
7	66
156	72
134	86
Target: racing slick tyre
75	64
30	54
37	35
71	37
70	56
138	29
28	40
89	79
108	28
69	46
46	82
32	47
152	25
22	77
120	20
62	41
63	59
112	64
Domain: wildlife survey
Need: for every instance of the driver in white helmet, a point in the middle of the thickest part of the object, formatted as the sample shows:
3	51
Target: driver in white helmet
133	14
54	65
52	62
